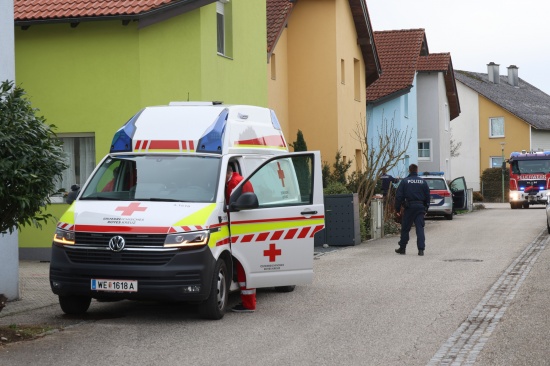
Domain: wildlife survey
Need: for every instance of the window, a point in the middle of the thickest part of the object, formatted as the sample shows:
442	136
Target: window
496	161
406	106
496	127
224	28
80	157
220	20
357	78
342	71
447	118
273	64
284	182
424	150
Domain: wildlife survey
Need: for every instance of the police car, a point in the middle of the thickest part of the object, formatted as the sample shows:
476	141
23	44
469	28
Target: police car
444	198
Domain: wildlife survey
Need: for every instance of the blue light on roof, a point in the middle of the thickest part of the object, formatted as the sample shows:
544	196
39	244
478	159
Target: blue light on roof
212	140
122	141
434	173
275	121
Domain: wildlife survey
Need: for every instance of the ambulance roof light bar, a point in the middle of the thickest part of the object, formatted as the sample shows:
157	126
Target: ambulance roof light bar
122	140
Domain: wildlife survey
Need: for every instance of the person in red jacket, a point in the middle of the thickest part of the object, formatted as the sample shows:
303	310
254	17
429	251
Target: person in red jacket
248	295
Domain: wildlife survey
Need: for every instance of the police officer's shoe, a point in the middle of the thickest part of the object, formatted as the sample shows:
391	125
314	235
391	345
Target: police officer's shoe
400	251
421	252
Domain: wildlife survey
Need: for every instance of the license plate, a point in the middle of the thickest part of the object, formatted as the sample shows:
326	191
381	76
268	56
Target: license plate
114	285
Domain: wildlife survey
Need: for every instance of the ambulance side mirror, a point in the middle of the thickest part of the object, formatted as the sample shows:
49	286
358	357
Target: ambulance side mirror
246	201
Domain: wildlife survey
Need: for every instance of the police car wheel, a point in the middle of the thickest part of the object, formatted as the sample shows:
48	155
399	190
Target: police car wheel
289	288
525	204
74	305
214	307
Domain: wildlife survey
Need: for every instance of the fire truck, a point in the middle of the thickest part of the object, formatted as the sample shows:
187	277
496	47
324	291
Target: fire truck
529	178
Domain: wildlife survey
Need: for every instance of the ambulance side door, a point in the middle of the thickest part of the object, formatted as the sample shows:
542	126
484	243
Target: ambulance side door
273	228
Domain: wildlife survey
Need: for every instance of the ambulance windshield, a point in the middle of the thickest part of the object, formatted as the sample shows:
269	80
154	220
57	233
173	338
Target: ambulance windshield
155	178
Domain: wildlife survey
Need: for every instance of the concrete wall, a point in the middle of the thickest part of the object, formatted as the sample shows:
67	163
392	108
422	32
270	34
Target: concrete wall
9	259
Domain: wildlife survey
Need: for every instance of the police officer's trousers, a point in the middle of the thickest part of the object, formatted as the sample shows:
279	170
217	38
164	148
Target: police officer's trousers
413	214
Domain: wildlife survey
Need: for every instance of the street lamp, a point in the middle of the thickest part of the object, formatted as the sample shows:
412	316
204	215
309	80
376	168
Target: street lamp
503	167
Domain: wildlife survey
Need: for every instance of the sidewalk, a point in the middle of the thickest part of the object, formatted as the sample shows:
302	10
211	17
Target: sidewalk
34	288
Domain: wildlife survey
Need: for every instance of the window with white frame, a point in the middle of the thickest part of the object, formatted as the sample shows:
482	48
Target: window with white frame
224	27
220	20
424	150
80	157
496	127
496	161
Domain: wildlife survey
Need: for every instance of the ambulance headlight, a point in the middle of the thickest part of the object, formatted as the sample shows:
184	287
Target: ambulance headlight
189	239
63	237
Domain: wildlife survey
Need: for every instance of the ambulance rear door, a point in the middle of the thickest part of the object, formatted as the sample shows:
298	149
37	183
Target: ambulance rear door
273	228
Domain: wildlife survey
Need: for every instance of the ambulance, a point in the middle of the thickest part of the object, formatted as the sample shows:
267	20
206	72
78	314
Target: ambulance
152	221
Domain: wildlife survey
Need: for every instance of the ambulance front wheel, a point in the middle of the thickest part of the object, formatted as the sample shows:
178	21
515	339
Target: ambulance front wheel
285	288
74	305
214	307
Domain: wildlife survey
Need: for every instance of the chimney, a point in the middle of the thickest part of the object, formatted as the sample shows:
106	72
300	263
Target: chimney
493	72
513	78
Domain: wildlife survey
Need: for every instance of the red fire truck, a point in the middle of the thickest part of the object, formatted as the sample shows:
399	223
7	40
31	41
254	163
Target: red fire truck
529	178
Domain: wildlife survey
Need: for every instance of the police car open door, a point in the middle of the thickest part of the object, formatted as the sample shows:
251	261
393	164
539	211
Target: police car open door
459	190
273	228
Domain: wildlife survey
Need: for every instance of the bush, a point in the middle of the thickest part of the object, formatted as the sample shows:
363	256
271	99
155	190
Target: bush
478	197
336	188
31	158
491	183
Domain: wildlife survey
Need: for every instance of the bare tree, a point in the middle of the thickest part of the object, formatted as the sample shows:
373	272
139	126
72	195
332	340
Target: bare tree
455	146
381	153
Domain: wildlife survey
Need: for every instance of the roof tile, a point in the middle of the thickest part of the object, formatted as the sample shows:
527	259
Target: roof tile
399	52
278	12
59	9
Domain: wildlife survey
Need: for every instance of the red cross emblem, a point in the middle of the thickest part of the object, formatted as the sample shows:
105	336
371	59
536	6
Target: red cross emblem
281	173
129	210
272	253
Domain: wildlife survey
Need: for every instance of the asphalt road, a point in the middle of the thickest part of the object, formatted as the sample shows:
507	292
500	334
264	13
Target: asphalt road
478	296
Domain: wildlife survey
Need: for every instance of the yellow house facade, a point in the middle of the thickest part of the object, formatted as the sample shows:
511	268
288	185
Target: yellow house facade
516	135
318	70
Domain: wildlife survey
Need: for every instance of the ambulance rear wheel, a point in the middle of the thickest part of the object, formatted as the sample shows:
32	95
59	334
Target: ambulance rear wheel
285	288
74	305
215	306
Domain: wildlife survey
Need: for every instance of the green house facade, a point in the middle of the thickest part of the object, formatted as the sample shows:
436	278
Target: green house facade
89	71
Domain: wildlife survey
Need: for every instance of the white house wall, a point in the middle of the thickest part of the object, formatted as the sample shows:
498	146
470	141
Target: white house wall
433	110
465	130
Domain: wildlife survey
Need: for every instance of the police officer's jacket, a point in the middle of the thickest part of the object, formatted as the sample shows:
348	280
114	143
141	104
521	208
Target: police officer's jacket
412	189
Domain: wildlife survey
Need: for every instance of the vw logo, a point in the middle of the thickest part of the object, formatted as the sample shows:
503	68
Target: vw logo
117	243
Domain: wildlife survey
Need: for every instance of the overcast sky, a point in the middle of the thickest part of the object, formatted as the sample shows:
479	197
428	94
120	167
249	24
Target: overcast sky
476	32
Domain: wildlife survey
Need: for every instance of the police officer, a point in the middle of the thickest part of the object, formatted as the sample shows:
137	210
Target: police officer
414	195
387	179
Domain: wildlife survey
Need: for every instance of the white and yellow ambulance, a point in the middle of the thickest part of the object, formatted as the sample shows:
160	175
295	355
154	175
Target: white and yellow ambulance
152	223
